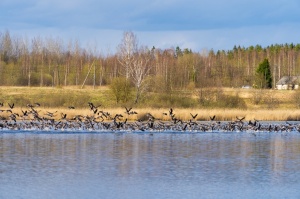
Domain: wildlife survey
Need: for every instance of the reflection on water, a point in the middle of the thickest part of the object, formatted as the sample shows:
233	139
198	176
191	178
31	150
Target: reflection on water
162	165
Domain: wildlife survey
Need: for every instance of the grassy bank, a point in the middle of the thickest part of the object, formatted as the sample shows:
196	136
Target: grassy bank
278	105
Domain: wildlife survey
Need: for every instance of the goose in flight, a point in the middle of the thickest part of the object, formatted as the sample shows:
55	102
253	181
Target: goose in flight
11	106
194	116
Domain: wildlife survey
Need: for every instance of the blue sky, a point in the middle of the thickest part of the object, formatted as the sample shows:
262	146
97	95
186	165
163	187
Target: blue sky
202	24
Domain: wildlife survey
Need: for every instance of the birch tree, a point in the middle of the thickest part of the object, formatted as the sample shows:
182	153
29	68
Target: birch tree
139	70
37	55
6	47
126	51
55	47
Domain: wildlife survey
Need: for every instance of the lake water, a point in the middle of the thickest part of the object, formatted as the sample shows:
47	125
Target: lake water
149	165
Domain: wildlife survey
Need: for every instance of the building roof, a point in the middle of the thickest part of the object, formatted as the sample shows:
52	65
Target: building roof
289	80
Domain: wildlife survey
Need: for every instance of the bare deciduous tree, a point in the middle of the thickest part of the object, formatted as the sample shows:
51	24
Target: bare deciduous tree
140	69
55	47
6	47
37	46
126	51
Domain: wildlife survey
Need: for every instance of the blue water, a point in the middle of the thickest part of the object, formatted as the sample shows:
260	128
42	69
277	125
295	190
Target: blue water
149	165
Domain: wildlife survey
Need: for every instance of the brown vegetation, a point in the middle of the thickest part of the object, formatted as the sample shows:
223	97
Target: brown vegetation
252	104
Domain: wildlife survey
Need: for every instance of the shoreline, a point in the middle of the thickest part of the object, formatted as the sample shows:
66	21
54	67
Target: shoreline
36	120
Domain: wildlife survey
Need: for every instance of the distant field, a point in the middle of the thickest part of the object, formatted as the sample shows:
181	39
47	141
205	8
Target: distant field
277	105
54	97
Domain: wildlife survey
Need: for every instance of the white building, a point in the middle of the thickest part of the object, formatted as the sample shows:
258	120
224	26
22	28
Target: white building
288	82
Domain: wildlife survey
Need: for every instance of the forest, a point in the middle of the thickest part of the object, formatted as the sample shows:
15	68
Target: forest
52	62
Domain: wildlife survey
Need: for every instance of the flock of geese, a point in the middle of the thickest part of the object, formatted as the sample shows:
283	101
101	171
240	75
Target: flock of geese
99	120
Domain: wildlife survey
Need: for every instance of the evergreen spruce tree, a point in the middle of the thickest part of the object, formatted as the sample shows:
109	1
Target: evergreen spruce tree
263	75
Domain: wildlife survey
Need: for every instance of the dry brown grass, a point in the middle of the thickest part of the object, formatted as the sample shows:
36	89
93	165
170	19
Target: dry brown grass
284	110
230	114
183	114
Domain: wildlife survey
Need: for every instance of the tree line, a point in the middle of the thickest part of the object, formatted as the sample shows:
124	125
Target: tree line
54	62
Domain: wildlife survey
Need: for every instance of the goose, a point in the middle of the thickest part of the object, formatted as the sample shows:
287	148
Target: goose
240	119
50	114
13	117
171	111
150	124
30	105
194	116
105	114
95	111
11	106
37	104
118	116
133	113
92	106
25	113
184	128
63	116
128	110
96	122
150	116
212	118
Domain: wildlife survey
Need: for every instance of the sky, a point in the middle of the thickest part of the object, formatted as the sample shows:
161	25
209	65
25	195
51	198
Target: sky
195	24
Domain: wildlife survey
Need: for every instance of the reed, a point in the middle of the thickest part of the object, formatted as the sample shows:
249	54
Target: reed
270	105
183	114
